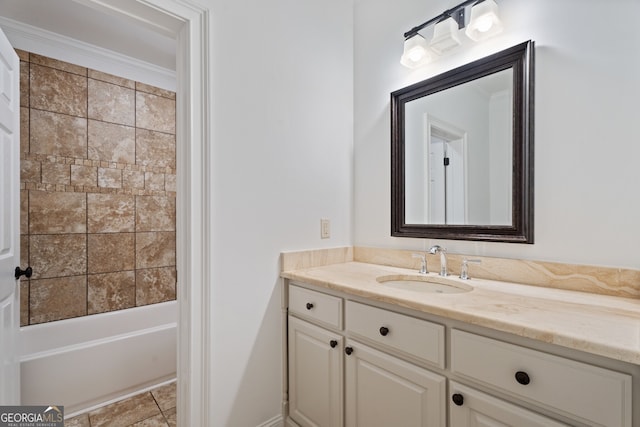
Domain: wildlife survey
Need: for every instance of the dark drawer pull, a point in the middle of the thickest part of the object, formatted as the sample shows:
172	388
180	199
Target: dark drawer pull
384	331
309	306
333	343
348	350
522	378
458	399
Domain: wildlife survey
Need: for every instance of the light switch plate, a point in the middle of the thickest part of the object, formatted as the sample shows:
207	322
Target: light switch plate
325	228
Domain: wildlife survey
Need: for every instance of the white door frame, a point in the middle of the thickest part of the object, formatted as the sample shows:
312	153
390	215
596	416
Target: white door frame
436	126
191	23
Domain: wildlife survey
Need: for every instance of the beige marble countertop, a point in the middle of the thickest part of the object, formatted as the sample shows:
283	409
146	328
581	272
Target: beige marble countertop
603	325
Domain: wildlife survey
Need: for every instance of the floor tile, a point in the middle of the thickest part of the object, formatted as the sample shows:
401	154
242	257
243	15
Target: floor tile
156	421
165	396
126	412
156	408
79	421
171	416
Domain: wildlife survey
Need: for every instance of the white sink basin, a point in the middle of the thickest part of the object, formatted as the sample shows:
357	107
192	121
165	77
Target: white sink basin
423	283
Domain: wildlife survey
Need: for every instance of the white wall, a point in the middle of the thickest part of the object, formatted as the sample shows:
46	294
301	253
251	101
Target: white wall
586	151
501	170
283	142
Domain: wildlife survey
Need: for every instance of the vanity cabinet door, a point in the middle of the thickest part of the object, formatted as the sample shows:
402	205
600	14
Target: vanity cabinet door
315	375
472	408
383	391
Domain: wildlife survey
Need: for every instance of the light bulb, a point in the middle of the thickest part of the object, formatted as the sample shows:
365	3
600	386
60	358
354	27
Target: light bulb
484	21
416	52
484	24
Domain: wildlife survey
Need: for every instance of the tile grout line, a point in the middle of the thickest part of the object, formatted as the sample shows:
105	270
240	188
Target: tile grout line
159	408
86	206
28	234
135	198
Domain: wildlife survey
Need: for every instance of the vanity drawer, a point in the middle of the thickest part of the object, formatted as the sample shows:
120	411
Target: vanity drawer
316	306
415	337
587	393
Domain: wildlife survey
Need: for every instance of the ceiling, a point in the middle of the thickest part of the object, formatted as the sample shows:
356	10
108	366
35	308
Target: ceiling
77	20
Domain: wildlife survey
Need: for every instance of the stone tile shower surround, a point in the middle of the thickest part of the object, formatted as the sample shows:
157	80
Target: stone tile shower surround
98	191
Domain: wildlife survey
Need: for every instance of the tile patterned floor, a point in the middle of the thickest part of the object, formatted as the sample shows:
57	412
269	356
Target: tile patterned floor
155	408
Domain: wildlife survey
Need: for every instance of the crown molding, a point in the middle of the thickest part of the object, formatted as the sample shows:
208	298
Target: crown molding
53	45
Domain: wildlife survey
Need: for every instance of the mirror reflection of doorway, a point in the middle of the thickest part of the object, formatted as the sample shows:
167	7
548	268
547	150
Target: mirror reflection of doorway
446	172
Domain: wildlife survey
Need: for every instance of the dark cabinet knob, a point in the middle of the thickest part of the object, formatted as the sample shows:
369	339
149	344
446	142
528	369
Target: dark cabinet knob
522	378
348	350
384	331
333	343
27	273
458	399
309	306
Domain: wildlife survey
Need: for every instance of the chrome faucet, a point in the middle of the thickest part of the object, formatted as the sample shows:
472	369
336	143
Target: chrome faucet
443	258
423	263
464	268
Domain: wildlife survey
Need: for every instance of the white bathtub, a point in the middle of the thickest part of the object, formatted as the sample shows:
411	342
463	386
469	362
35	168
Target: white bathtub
89	361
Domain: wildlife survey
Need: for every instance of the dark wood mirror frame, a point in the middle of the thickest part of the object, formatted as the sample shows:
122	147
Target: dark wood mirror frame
520	59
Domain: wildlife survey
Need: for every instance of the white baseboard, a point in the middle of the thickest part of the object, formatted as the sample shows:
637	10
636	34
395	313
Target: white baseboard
276	421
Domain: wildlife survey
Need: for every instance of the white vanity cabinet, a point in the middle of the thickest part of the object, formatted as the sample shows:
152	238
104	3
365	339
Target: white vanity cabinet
315	375
353	363
315	358
470	407
414	338
589	394
381	390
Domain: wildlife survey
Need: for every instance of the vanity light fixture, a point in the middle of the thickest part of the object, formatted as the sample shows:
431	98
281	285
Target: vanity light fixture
445	35
416	52
483	23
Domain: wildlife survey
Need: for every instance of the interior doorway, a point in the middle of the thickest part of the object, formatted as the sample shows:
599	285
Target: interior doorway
189	23
445	173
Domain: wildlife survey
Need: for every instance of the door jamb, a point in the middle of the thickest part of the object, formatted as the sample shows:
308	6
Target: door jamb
194	192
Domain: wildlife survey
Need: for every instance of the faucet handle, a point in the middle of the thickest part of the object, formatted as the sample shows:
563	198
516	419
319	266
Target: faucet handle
436	248
464	268
423	263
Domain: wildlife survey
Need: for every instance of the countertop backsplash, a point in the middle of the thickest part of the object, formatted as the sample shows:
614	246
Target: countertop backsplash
583	278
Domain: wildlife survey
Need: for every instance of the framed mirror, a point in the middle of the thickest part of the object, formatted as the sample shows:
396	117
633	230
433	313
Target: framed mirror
462	152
